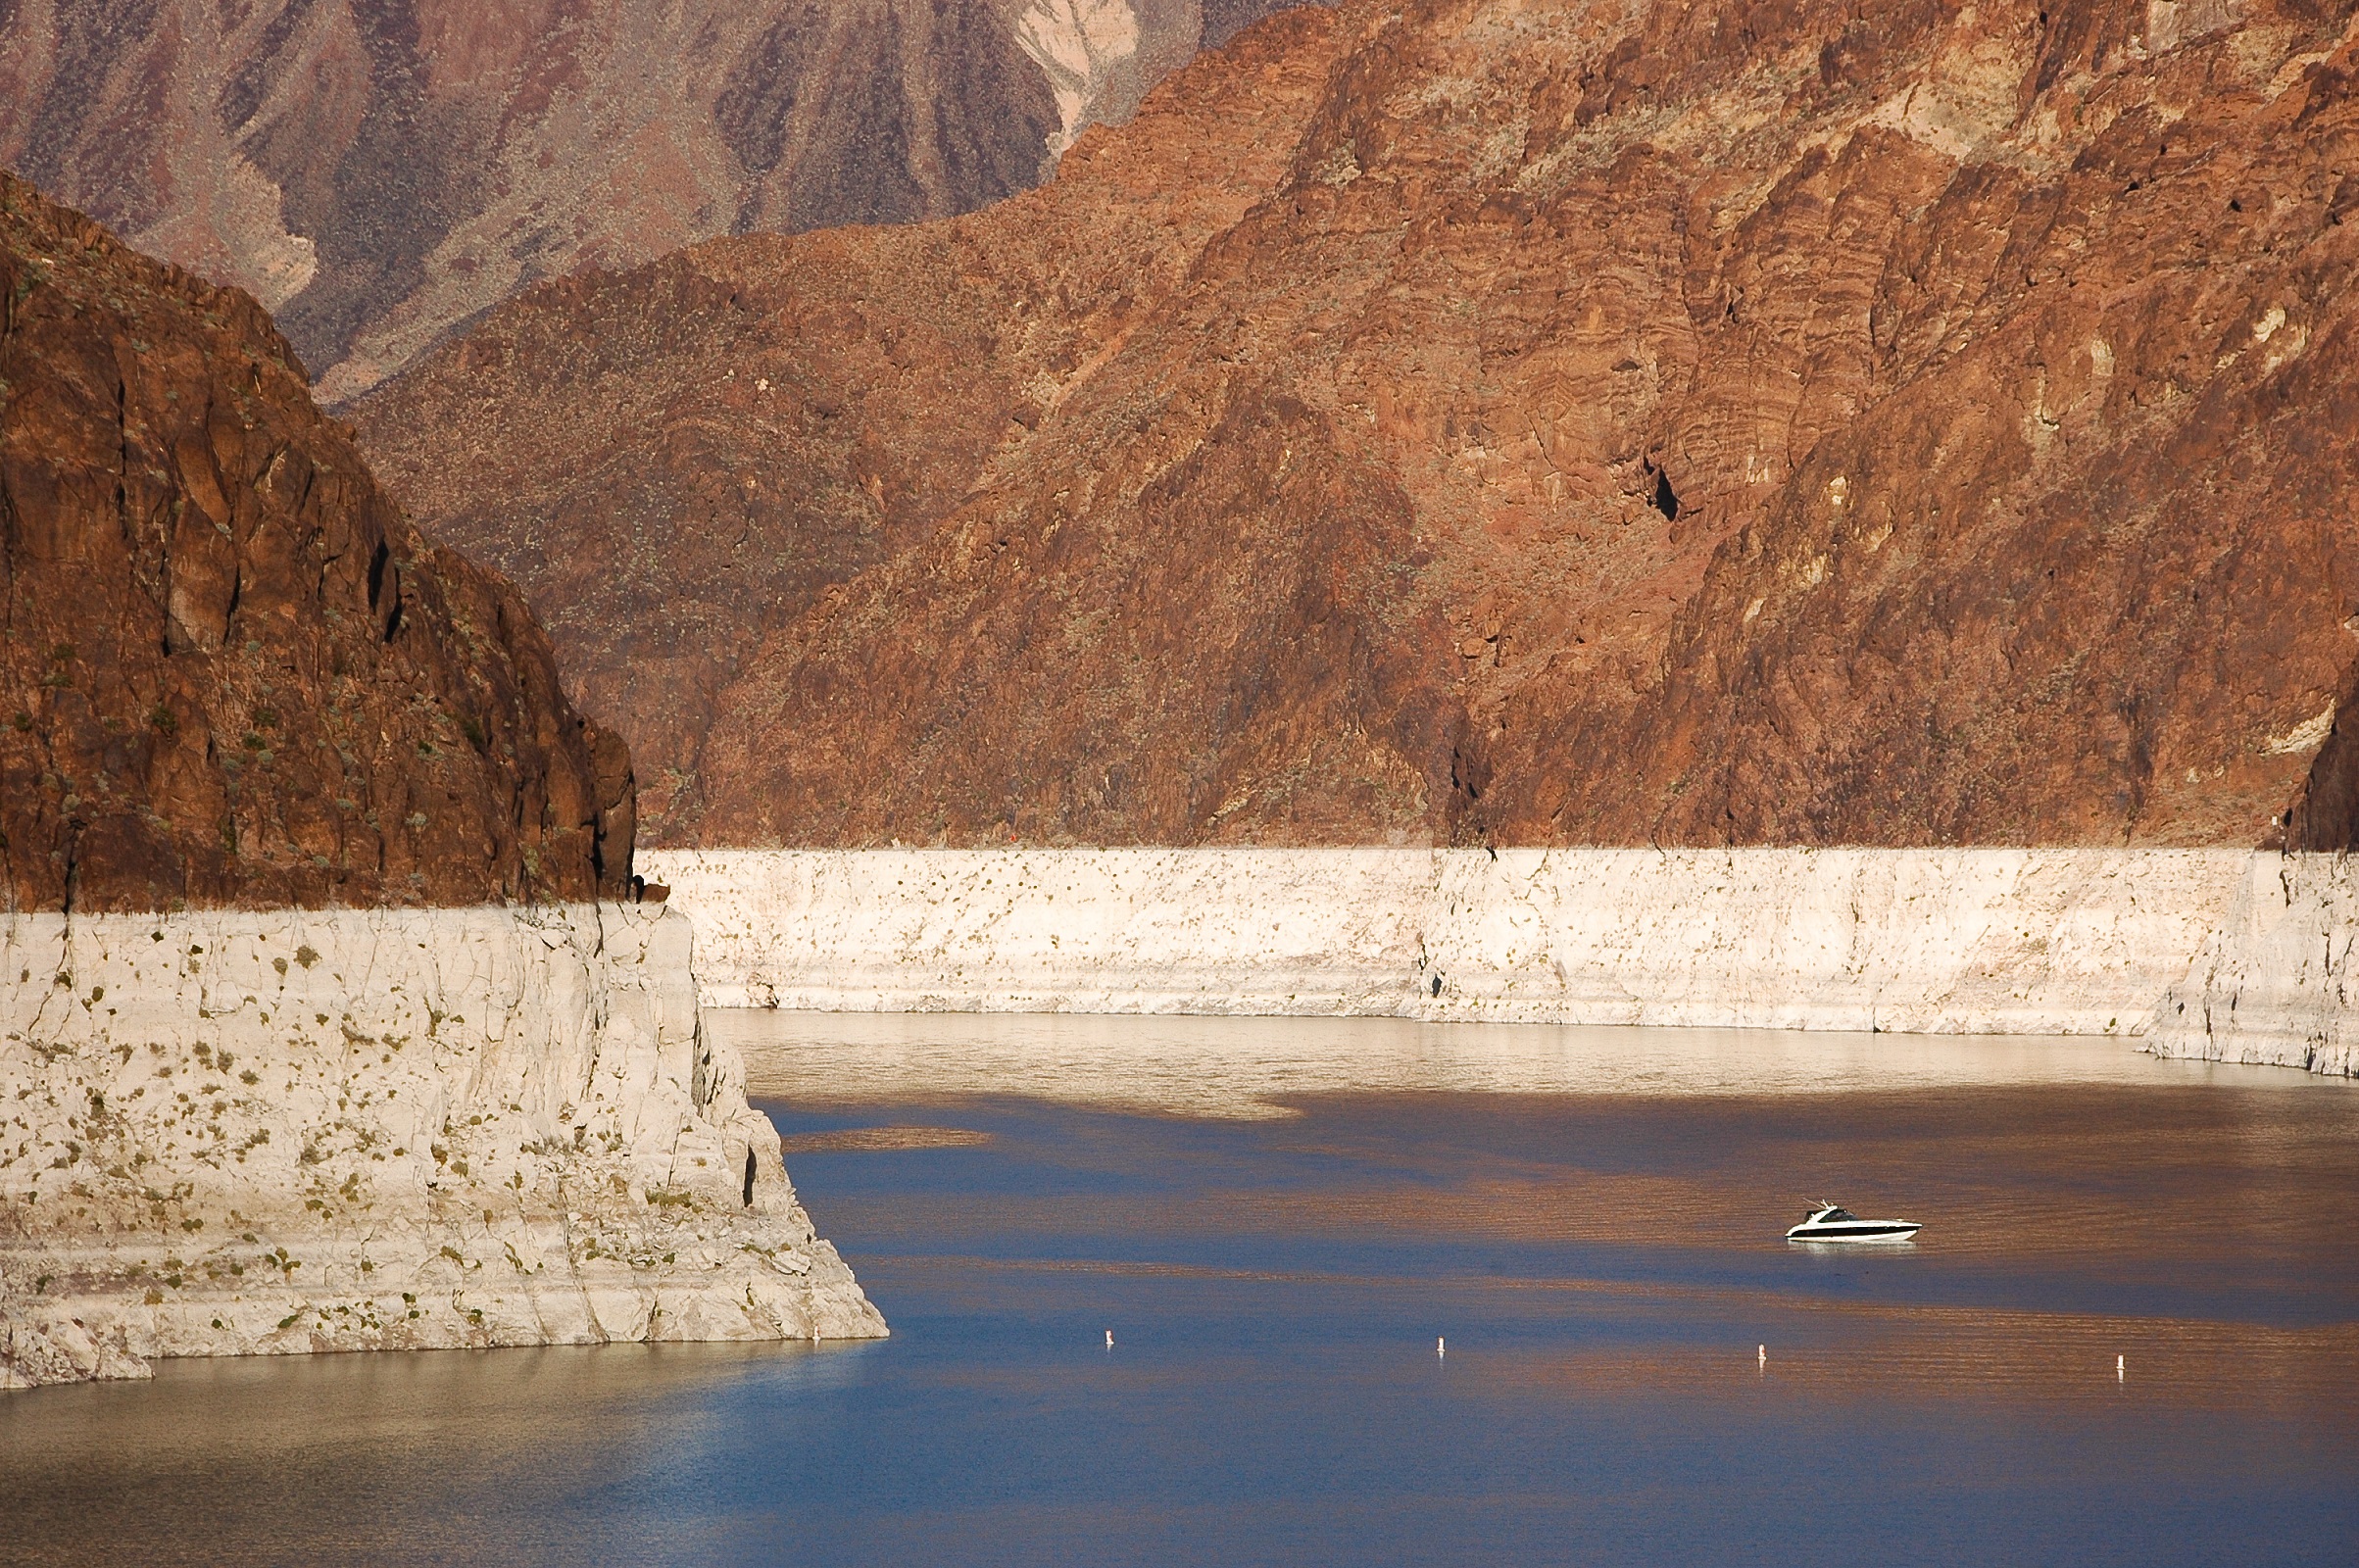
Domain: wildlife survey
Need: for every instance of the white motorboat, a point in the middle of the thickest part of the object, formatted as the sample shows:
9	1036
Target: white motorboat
1828	1222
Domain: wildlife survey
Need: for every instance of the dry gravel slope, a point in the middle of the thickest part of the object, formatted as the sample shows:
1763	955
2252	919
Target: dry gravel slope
1476	421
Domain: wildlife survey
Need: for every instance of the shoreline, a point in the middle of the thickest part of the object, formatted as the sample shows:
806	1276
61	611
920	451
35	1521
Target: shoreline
2221	955
250	1132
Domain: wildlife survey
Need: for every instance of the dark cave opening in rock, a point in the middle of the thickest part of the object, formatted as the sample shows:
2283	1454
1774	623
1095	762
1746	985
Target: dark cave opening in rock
1665	499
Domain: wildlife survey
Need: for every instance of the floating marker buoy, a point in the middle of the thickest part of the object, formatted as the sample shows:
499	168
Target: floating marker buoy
1764	1354
1110	1339
2121	1364
1441	1345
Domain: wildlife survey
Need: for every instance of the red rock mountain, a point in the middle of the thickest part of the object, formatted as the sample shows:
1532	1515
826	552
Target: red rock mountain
378	170
1782	422
230	672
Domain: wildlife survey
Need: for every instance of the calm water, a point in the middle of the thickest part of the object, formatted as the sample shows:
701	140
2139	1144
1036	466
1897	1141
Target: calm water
1277	1220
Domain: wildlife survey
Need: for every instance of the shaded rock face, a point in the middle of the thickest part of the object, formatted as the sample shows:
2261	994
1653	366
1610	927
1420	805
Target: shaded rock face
1539	423
377	174
230	673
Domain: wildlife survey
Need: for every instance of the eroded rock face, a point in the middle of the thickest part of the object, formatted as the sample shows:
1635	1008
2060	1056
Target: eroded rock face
378	173
258	1092
241	1132
1967	941
680	460
2273	983
230	672
1568	423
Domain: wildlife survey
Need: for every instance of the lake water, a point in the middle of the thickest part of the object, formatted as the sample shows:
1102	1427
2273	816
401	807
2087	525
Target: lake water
1277	1220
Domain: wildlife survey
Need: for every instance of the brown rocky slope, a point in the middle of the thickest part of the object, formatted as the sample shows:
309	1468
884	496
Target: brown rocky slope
679	459
378	172
1771	423
230	672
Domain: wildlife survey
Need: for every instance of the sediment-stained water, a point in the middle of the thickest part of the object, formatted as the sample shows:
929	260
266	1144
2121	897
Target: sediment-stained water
1277	1221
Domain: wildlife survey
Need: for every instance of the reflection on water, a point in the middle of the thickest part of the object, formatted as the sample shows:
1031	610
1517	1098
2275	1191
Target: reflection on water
437	1456
878	1138
1594	1219
1202	1067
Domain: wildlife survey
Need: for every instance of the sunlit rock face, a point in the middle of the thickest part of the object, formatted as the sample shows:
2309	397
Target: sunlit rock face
2274	982
331	1016
230	670
2221	953
374	174
1984	941
1559	422
239	1132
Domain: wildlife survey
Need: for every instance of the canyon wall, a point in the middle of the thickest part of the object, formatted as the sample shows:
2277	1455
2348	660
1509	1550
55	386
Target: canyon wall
2054	941
329	1015
2275	983
230	670
235	1132
377	175
1554	422
681	461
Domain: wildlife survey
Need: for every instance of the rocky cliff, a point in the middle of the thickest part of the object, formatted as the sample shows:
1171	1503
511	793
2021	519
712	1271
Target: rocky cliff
328	1017
681	461
230	672
1571	423
235	1132
377	174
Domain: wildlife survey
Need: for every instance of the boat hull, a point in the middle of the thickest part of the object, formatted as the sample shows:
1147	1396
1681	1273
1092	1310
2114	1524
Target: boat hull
1854	1234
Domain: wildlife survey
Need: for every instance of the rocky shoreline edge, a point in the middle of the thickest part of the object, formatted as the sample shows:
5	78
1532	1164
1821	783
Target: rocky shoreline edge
2221	953
239	1132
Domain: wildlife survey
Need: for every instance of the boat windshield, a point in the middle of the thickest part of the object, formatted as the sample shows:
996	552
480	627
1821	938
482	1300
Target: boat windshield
1834	1214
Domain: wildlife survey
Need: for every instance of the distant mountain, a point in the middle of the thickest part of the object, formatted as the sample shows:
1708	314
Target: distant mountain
1486	420
230	672
376	173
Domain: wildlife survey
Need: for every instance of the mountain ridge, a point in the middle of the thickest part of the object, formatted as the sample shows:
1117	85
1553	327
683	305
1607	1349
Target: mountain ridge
378	174
1779	425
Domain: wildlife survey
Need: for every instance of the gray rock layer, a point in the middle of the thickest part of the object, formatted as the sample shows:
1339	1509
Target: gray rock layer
2276	982
2225	954
231	1131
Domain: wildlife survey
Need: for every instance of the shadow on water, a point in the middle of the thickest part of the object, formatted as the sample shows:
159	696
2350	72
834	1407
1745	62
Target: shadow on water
1601	1247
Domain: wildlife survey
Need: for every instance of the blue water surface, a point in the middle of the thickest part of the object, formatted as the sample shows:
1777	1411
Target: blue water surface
1607	1272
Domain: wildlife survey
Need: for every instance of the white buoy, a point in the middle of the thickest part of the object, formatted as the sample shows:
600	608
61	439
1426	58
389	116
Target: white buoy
1763	1352
1441	1345
2121	1368
1110	1339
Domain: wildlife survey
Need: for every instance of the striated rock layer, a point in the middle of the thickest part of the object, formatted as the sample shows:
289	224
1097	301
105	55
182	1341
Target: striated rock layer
378	174
231	1131
258	1090
1559	422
